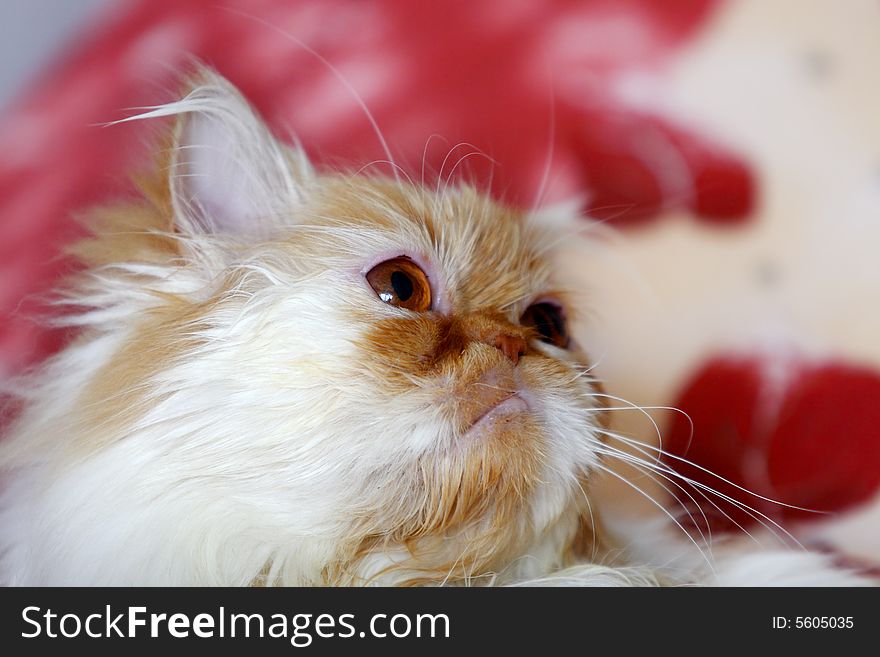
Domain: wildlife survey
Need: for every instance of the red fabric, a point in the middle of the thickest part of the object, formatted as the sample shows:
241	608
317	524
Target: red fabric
799	433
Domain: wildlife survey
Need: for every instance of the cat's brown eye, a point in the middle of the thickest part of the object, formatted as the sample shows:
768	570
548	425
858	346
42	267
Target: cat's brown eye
401	282
549	322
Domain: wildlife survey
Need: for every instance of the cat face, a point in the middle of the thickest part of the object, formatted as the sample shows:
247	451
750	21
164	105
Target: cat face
465	416
308	378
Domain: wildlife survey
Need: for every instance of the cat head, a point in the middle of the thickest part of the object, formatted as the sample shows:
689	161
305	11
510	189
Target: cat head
310	378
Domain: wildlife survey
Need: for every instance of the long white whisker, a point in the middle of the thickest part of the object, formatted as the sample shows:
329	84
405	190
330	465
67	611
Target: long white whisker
647	470
389	163
425	153
634	407
455	166
751	511
345	83
551	145
719	477
660	470
663	509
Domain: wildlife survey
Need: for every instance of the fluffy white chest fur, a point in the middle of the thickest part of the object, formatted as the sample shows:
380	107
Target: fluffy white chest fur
290	378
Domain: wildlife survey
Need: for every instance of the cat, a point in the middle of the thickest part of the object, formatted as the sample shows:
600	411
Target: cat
286	377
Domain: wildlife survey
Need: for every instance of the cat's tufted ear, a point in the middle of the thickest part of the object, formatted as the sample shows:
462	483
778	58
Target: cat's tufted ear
227	173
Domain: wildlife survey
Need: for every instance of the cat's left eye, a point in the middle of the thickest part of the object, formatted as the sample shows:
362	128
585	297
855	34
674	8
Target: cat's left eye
401	282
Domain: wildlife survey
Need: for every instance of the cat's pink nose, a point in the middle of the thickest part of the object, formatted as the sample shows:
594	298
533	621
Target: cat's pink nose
512	346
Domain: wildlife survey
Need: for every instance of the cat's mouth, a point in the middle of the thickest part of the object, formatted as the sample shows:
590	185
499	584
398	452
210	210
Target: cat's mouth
497	415
487	403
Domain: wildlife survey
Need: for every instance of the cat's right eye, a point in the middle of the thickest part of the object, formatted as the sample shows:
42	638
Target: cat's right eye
401	282
548	321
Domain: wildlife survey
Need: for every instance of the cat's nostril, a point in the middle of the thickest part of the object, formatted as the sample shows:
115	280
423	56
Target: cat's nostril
512	346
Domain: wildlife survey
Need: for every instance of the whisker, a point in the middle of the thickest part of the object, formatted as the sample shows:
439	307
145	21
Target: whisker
596	363
425	154
345	83
756	515
452	150
551	145
455	166
646	471
389	163
589	504
647	468
635	407
662	508
719	477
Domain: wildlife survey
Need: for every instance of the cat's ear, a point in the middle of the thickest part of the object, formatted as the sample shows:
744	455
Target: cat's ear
227	173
